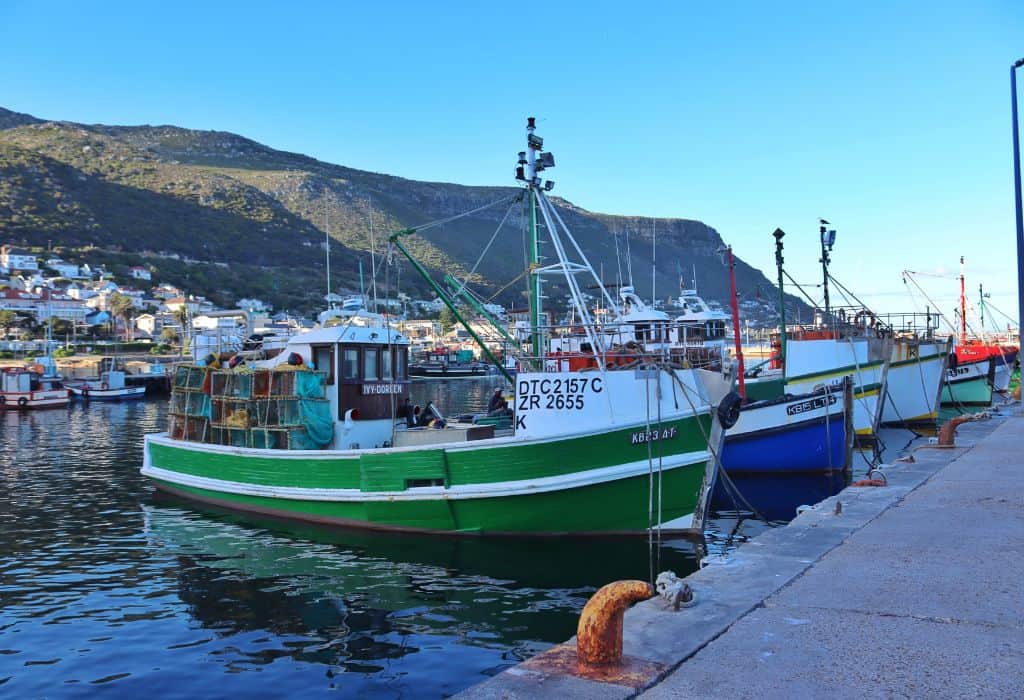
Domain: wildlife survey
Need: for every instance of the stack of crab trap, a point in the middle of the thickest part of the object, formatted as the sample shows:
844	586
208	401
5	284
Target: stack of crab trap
276	409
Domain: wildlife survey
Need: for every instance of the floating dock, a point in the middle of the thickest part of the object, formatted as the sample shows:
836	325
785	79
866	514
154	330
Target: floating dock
908	590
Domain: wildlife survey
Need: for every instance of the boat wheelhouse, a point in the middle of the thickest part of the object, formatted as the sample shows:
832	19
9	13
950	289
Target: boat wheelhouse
841	342
695	338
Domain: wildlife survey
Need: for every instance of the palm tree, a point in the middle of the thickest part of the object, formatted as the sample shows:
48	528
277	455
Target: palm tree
121	306
7	319
181	316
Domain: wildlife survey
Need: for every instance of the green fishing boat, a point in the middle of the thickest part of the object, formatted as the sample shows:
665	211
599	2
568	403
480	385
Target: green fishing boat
324	432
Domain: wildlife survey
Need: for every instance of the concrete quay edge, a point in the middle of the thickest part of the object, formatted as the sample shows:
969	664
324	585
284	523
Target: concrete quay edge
729	588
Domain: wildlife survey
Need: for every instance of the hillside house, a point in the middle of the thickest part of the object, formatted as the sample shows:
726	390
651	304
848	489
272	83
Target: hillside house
42	304
253	305
140	273
17	259
167	291
62	268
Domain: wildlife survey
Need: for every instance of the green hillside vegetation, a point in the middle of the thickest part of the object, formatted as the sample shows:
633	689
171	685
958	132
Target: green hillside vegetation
255	217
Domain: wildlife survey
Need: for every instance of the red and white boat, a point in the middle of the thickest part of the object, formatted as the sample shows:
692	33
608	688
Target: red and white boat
973	350
30	388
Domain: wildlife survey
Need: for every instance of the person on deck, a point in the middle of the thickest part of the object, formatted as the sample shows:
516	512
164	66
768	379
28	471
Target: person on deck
497	406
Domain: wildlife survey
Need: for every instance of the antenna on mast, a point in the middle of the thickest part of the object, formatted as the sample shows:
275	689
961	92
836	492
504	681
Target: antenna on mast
963	304
373	261
327	246
654	259
629	260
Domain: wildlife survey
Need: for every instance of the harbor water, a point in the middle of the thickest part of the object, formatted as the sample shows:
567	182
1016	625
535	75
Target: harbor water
105	586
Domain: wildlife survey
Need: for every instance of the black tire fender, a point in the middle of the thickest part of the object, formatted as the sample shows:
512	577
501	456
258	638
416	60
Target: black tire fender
729	409
22	401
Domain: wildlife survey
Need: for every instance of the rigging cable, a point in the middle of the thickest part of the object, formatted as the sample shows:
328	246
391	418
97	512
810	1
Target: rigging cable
738	498
464	282
456	217
797	285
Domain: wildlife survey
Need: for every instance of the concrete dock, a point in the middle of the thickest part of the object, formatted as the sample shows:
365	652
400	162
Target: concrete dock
909	590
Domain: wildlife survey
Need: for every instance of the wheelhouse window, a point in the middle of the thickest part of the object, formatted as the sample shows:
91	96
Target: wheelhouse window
386	363
323	359
371	370
350	363
401	360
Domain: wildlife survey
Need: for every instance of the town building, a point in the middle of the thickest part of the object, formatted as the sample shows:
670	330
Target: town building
17	259
62	268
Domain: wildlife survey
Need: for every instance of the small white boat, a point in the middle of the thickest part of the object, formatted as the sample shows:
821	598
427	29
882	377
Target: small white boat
30	388
110	386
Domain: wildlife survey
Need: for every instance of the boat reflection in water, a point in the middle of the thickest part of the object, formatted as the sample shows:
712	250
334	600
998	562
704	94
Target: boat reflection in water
419	614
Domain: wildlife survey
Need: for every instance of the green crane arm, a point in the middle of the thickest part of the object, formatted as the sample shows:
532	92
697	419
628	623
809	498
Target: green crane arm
448	301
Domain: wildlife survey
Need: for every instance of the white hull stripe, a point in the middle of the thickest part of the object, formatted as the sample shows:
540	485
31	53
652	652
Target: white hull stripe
34	403
507	441
429	493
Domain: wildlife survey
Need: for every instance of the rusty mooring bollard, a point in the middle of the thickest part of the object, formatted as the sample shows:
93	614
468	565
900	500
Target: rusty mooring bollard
599	634
947	432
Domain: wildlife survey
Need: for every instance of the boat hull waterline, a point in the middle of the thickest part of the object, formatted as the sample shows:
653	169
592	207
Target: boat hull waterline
587	484
132	393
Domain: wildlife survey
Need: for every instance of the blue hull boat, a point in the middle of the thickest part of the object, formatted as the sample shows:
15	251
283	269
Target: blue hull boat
805	433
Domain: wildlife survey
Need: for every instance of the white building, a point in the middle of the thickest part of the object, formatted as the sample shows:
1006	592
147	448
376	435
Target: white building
191	304
253	305
80	293
16	259
62	268
495	309
140	273
428	306
43	304
167	291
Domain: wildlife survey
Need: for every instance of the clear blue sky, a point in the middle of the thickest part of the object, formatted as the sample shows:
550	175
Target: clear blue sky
889	119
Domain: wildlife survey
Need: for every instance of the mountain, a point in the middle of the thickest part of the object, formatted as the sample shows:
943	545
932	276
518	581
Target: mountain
249	220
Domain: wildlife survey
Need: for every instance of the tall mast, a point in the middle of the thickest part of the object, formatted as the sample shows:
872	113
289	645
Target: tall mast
779	233
963	304
527	171
734	304
981	306
828	237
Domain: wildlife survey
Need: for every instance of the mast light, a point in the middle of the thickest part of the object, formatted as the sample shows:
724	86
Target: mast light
828	236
